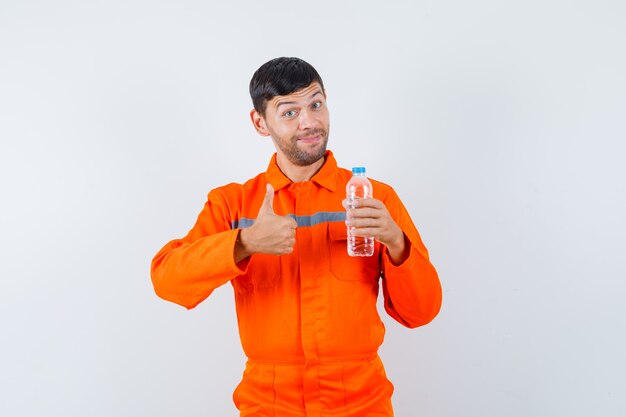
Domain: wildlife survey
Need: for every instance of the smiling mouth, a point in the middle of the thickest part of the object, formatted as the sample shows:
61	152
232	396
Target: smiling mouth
313	136
310	139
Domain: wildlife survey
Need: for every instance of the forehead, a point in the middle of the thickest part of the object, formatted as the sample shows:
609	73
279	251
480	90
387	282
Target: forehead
300	95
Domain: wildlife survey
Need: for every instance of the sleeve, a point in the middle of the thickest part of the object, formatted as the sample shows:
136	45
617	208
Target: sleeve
186	271
411	290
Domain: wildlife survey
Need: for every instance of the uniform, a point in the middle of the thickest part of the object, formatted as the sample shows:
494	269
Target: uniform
308	321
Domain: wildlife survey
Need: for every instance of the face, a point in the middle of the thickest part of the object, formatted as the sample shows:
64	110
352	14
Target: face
298	124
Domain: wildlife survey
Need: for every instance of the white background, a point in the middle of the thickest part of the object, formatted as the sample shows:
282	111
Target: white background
500	124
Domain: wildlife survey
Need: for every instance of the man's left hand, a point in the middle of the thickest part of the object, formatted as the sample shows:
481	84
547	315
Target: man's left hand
370	217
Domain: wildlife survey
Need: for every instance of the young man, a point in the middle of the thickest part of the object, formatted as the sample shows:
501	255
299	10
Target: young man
306	310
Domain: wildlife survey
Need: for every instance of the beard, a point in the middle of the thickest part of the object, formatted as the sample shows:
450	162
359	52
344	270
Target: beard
299	156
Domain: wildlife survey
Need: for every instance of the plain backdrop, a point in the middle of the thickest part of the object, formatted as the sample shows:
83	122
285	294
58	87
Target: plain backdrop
500	124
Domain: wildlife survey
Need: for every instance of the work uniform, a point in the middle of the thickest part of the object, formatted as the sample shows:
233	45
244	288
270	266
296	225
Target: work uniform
308	320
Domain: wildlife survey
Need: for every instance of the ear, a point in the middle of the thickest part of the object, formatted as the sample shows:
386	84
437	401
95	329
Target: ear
259	123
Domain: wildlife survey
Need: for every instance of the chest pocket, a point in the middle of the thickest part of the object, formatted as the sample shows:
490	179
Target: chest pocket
263	272
351	268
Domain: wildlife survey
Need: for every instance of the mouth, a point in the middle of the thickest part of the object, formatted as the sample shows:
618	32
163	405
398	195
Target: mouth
310	139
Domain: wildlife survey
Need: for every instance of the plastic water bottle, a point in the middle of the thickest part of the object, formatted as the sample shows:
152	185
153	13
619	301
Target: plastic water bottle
359	187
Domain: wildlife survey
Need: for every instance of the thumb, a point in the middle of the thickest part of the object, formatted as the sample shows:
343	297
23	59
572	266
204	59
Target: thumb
268	201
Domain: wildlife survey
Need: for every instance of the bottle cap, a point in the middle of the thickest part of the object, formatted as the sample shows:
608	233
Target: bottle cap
358	170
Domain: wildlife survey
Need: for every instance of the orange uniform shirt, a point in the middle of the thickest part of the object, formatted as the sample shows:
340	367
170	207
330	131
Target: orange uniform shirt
308	321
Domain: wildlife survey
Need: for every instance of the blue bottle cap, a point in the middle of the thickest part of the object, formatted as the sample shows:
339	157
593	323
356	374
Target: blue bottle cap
358	170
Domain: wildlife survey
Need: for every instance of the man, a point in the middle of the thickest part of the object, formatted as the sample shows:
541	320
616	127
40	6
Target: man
306	310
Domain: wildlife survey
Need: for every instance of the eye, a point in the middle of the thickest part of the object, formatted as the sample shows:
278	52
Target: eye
290	113
317	105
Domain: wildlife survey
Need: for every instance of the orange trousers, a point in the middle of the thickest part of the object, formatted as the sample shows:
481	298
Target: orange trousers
354	388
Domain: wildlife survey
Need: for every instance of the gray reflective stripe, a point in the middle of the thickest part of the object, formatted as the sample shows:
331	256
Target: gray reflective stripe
302	221
242	223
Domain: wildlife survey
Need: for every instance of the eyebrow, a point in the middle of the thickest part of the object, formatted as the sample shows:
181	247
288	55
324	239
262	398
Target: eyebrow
295	102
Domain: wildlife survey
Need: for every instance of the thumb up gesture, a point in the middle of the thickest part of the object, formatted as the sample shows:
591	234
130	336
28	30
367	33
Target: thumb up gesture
270	233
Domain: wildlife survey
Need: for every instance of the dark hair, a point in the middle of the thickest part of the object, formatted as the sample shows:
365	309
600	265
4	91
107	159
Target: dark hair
280	77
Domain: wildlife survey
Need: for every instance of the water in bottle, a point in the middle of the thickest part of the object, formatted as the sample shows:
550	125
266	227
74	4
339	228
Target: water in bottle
359	187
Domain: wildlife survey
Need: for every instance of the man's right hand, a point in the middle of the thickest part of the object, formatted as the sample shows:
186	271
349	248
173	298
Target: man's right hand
270	233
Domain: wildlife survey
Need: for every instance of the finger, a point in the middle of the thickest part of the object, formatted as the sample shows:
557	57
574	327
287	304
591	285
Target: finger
350	203
365	212
268	201
290	222
366	222
368	202
287	247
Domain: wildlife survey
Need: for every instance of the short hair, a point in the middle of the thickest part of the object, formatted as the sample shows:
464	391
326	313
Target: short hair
280	77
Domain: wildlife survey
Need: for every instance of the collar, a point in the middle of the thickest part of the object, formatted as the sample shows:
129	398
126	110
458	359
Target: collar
325	177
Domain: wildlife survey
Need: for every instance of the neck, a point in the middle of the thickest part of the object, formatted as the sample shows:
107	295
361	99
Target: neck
298	173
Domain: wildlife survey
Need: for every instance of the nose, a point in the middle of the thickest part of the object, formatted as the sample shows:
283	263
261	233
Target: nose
307	120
